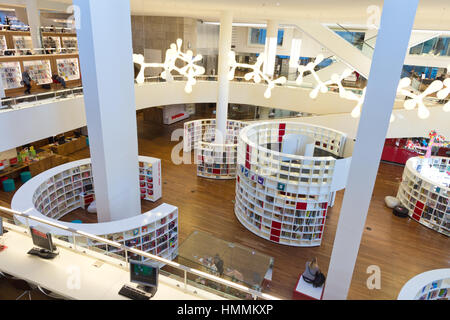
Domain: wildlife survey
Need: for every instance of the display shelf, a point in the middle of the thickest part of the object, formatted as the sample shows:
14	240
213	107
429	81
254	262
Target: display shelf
69	42
39	70
68	68
3	44
78	180
52	42
59	191
11	73
22	42
425	192
430	285
436	290
285	198
215	161
145	238
150	179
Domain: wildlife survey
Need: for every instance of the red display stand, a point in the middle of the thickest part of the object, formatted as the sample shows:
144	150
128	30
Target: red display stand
306	291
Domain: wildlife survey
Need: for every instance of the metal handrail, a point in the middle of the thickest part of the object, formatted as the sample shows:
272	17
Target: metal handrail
185	269
13	101
363	41
11	104
40	51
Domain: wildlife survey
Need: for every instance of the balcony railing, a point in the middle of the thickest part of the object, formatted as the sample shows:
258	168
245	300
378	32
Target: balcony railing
17	103
186	275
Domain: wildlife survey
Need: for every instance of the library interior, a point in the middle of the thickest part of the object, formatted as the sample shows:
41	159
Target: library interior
224	150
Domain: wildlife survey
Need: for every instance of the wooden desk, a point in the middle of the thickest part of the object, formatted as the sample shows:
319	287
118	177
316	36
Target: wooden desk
73	274
47	161
70	146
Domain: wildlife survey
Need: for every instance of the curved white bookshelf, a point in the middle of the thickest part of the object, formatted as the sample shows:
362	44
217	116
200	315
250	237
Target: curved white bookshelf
213	160
58	191
425	192
430	285
284	197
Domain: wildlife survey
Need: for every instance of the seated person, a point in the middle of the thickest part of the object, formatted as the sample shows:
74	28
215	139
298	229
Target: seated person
57	79
312	274
218	262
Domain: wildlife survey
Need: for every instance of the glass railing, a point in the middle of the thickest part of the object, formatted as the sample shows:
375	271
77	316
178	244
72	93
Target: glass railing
187	277
21	102
436	47
39	51
16	103
357	39
59	29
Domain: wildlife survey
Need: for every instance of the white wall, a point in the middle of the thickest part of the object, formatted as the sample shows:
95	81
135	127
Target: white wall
35	123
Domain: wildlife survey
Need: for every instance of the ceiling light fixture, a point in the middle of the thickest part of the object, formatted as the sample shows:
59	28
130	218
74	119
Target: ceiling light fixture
256	74
190	70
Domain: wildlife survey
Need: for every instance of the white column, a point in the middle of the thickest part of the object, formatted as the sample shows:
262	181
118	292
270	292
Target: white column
270	50
108	82
226	29
396	24
296	46
34	21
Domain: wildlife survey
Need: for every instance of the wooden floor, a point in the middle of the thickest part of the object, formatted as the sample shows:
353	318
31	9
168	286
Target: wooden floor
402	248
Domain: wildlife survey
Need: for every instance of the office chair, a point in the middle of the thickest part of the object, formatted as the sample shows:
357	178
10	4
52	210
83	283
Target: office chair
50	294
21	285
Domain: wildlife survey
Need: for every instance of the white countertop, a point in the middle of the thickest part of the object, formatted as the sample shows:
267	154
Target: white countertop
73	275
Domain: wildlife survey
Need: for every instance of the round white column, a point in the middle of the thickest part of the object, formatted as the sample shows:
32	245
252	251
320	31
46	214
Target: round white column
296	46
226	29
270	49
34	21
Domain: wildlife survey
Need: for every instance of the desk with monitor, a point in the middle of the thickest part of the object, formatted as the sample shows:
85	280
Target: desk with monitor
79	276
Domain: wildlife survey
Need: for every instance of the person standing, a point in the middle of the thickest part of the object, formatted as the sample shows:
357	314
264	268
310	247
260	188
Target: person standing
26	81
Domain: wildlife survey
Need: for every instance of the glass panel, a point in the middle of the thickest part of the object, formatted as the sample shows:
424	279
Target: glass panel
227	260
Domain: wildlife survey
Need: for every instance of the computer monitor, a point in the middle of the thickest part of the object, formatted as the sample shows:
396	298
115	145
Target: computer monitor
42	240
145	275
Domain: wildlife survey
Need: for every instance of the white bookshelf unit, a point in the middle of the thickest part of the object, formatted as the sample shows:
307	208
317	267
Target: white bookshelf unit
215	161
155	232
425	192
60	190
150	178
430	285
284	198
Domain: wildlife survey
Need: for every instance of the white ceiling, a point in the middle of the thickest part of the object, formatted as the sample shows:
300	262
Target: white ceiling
431	14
